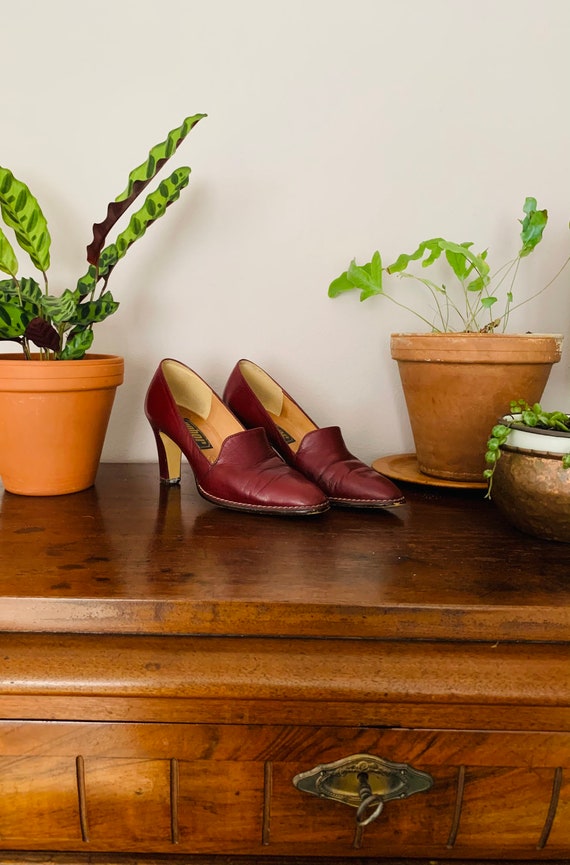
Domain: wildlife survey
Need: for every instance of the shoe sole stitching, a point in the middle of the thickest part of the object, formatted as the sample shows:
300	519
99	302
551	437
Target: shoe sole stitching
263	508
389	503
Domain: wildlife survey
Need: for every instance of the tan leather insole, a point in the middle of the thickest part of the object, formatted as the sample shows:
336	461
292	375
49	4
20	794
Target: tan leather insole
210	433
293	423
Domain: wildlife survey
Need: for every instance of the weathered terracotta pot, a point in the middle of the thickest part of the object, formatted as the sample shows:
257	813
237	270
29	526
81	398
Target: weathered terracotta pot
532	489
53	421
457	384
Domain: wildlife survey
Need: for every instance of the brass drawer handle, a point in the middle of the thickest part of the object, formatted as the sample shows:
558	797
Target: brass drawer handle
363	781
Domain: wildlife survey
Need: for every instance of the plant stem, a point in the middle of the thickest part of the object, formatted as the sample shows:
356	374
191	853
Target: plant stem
435	291
19	290
103	288
505	315
413	311
506	267
548	284
61	332
470	312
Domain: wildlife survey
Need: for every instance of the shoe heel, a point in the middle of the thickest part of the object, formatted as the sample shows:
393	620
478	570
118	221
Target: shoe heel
169	458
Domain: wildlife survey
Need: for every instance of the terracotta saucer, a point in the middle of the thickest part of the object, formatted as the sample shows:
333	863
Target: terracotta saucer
404	467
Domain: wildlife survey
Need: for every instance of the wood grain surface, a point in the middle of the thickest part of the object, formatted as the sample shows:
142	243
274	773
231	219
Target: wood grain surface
129	556
167	668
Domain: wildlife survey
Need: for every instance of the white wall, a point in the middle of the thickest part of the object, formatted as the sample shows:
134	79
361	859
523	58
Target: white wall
335	127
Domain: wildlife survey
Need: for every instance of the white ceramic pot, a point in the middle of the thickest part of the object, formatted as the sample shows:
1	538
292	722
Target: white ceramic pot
534	439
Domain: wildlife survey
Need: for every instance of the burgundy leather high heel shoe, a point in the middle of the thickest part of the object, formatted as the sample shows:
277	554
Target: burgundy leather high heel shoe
233	467
319	453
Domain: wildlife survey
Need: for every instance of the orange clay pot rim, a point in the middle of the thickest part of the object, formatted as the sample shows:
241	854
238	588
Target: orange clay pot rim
20	375
469	348
472	335
17	358
92	365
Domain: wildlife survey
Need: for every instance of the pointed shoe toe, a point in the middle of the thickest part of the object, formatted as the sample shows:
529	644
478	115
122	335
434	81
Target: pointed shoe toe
320	454
324	457
233	467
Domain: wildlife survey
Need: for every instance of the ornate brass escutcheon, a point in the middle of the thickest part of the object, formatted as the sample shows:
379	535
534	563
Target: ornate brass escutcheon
363	781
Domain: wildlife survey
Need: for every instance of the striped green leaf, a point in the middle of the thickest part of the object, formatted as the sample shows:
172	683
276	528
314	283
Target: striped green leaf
13	320
78	342
139	178
21	212
31	292
27	294
87	283
91	312
59	309
153	208
157	156
8	260
108	259
8	289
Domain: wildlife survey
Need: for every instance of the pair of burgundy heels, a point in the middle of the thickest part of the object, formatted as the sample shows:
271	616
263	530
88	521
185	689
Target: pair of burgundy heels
257	450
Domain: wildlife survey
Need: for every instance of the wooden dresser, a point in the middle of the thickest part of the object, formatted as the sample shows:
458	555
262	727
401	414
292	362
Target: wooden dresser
180	683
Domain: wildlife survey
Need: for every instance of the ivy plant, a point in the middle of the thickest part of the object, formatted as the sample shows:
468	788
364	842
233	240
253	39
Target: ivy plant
477	300
532	416
61	326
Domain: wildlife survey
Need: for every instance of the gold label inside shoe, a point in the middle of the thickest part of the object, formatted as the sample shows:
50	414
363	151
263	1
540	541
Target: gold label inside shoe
197	434
287	437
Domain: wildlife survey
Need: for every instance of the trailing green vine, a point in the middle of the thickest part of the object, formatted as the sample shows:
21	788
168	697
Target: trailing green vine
532	416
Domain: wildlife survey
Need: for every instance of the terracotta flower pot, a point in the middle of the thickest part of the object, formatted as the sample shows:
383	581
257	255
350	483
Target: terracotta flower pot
53	420
456	385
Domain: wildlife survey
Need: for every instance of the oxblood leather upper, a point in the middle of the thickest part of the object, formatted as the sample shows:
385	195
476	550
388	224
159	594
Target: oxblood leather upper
322	455
247	471
324	458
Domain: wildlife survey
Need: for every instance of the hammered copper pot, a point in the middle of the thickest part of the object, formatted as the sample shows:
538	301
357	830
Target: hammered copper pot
532	490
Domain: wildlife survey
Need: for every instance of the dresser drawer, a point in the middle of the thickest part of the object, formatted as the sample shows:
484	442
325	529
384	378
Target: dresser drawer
206	789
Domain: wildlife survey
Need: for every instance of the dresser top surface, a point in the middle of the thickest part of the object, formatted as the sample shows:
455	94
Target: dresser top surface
129	556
